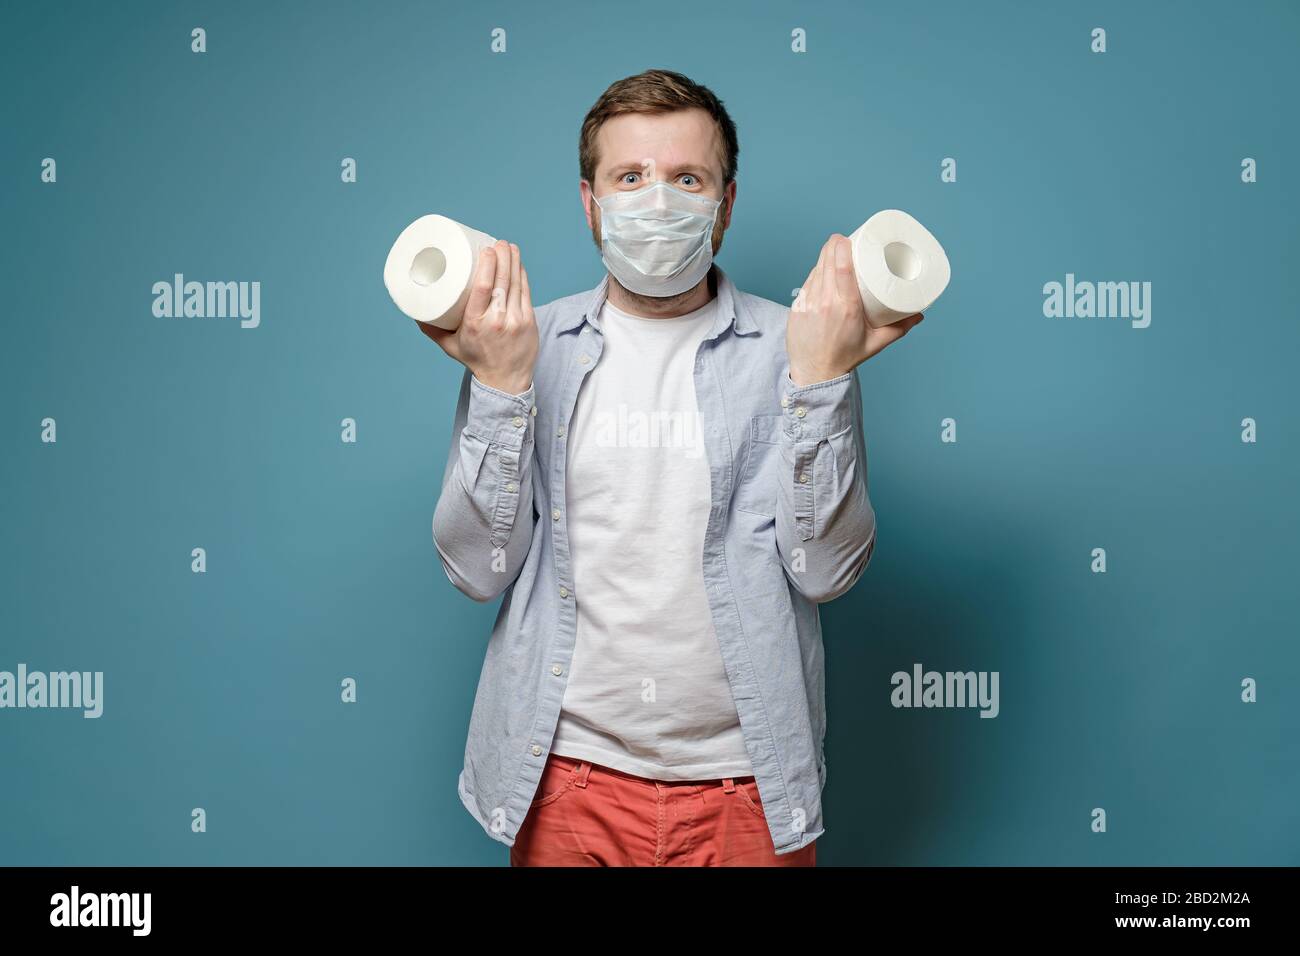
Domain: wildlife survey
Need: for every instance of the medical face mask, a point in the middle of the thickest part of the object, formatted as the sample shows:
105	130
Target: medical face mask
657	240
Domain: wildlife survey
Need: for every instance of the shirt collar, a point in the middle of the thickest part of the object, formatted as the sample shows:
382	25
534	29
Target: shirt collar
730	311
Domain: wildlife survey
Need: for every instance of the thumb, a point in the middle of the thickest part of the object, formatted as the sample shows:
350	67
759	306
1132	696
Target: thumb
889	334
446	338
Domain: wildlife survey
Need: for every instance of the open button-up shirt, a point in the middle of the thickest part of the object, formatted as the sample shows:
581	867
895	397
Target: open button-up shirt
790	526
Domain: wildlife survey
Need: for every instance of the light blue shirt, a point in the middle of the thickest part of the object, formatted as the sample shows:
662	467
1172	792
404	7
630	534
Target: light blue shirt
791	526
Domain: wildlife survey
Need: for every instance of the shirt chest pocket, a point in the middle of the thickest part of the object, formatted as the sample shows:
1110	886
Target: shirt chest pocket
761	469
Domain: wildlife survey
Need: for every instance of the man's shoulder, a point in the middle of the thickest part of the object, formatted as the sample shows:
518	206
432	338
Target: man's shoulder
557	309
767	315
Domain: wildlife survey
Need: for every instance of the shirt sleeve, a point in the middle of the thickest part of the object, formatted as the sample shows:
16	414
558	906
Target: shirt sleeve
483	522
825	525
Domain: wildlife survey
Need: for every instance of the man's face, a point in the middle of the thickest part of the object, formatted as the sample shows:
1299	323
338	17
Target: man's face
683	148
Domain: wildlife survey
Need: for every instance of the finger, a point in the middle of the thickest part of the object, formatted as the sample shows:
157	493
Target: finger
889	334
480	296
810	284
803	301
846	279
501	284
525	293
446	338
903	326
830	263
810	290
512	300
826	262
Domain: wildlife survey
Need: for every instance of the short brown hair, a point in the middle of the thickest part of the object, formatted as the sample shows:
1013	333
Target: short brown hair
655	91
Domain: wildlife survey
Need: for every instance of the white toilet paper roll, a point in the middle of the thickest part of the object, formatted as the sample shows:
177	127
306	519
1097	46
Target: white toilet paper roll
430	267
901	268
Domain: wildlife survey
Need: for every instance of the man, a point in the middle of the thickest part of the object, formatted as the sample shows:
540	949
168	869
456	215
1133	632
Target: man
665	476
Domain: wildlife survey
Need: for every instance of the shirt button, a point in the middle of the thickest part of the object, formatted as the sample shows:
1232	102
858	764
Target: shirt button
555	514
537	751
533	411
803	479
785	401
511	487
584	358
800	411
560	431
557	670
517	422
564	592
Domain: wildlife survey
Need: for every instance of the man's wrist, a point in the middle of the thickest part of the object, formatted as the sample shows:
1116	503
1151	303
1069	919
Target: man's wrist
802	378
511	386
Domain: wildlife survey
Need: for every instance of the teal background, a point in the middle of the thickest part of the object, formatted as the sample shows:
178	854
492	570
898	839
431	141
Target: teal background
1119	690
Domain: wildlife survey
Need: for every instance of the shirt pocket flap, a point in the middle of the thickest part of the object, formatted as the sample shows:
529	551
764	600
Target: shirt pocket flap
765	428
756	492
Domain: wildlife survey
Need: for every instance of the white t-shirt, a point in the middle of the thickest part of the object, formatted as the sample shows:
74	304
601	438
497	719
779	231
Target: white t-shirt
647	692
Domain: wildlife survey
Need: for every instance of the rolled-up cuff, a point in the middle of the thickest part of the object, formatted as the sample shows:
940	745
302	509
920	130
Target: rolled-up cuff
820	410
498	417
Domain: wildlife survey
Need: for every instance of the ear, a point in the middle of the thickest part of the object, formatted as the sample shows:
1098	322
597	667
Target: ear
584	190
729	196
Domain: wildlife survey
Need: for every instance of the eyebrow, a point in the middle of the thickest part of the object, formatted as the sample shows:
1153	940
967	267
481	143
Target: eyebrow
619	168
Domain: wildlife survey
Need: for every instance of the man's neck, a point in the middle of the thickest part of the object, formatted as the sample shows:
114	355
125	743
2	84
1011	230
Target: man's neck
652	307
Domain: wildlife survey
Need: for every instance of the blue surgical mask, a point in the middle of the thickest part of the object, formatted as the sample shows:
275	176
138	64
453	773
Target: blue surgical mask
657	240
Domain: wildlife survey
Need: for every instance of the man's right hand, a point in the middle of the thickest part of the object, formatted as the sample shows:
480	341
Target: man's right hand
497	339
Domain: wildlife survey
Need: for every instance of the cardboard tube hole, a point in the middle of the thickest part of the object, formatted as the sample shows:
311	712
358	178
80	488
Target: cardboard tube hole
902	260
428	266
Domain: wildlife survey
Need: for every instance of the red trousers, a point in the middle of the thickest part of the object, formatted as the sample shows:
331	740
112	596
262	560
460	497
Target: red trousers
586	814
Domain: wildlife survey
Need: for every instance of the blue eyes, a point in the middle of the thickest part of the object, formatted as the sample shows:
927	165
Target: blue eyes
630	179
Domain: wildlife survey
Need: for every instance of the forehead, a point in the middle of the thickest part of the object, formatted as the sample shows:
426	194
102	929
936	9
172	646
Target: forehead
681	138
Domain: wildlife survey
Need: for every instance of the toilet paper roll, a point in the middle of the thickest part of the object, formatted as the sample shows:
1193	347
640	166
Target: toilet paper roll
430	267
901	267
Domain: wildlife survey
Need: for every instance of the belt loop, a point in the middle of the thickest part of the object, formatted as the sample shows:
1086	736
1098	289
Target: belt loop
584	771
728	785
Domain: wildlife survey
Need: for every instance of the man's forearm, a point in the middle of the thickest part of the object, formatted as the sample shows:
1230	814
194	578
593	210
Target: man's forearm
825	524
483	522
